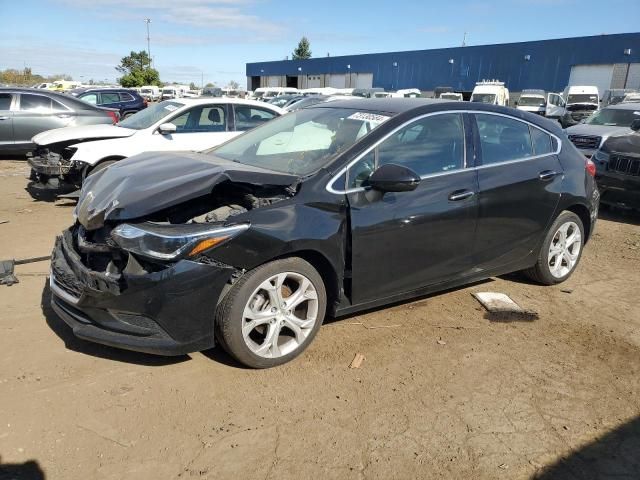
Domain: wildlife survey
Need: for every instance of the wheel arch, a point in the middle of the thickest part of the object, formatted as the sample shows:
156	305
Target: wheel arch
583	213
326	270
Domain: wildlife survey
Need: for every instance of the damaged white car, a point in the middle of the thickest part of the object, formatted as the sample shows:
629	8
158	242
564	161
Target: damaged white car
65	156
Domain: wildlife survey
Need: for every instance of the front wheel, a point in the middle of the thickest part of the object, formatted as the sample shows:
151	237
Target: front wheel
272	314
561	250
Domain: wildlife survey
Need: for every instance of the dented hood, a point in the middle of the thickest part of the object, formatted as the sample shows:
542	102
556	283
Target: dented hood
88	132
152	181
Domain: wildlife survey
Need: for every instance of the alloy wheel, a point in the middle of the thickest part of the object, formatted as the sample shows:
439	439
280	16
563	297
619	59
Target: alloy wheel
280	315
564	250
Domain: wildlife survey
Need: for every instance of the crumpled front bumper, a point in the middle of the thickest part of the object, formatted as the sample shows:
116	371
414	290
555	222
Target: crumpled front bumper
47	166
50	173
168	312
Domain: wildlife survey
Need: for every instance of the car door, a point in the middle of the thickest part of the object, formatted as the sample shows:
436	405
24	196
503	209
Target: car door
6	120
198	128
519	180
37	113
110	100
403	241
555	105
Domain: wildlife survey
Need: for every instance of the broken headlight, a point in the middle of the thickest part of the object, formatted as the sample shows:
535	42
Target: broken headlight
170	242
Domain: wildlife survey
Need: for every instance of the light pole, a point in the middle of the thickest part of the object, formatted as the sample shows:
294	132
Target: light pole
148	21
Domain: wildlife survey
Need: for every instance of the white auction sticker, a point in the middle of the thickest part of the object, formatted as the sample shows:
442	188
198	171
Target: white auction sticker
171	108
370	117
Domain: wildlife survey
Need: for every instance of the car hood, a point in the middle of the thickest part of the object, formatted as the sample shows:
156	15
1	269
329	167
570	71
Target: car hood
623	144
596	130
88	132
152	181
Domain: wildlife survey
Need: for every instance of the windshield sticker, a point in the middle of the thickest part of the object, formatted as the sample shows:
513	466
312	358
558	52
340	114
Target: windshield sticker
370	117
171	108
636	113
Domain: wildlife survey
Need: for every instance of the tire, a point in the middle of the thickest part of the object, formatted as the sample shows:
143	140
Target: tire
127	115
249	303
101	166
553	267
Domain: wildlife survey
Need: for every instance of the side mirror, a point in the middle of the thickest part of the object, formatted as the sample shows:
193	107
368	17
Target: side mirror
167	129
393	178
635	125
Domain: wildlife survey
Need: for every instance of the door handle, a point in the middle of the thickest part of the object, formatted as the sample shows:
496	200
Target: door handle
4	118
460	195
547	175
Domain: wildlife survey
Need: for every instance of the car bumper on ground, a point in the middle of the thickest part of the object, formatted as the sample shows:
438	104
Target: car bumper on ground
50	173
167	312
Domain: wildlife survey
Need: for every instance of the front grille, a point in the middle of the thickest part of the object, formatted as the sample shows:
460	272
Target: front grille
624	164
585	141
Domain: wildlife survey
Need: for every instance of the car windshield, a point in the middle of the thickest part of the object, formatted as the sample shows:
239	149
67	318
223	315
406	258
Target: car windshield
582	98
531	101
483	97
450	96
280	101
150	115
613	117
301	142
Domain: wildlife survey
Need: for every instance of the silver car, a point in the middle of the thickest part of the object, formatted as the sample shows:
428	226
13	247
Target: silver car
25	112
589	135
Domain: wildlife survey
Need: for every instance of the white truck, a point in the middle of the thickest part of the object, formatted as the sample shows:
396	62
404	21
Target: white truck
267	93
451	96
491	91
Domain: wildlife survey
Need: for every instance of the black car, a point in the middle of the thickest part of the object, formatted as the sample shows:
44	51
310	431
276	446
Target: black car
126	101
618	169
329	210
26	112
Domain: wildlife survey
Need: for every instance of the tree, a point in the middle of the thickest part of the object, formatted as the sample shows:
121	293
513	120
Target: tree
137	71
210	85
233	85
302	52
193	86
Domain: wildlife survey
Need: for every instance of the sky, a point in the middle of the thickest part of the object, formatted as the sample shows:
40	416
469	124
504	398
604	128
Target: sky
212	40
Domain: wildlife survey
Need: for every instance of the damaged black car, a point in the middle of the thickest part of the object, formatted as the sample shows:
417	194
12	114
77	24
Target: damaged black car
325	211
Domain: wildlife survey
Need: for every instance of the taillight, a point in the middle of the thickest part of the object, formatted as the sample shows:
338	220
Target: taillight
590	167
114	116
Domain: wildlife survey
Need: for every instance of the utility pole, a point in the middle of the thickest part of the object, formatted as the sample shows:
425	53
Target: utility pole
148	21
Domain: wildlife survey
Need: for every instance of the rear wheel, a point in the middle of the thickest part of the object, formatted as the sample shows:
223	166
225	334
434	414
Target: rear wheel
272	313
101	166
560	252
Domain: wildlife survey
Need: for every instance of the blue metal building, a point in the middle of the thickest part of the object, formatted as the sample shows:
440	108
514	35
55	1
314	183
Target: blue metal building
609	61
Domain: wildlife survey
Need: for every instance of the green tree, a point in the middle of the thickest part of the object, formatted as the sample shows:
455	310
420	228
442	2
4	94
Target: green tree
210	85
303	51
136	70
193	86
233	85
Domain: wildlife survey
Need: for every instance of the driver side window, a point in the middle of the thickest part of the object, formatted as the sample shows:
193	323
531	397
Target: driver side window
430	145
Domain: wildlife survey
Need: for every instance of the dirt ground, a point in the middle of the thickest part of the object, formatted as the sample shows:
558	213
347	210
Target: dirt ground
445	391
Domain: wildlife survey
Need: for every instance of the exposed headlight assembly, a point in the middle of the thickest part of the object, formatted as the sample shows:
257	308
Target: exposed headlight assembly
171	242
601	157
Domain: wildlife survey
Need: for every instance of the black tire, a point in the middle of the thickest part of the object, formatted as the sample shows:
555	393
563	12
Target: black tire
229	314
101	166
127	115
541	271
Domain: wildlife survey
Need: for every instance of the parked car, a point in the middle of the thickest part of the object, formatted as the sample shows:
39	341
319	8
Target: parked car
126	101
492	92
25	112
632	98
615	96
534	101
64	157
589	135
316	99
329	210
173	91
438	91
285	100
451	96
581	101
266	93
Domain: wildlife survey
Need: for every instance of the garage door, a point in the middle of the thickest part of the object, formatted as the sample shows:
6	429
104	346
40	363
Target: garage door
337	81
273	81
633	78
598	75
364	80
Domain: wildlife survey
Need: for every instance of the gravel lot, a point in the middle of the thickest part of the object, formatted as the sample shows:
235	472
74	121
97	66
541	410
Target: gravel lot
445	391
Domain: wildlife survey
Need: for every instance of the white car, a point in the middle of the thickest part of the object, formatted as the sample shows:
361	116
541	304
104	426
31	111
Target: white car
65	156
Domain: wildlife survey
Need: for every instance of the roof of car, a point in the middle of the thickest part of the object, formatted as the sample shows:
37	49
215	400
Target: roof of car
389	105
624	106
234	100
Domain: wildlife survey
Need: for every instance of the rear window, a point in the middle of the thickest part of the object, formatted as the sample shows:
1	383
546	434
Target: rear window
126	97
5	101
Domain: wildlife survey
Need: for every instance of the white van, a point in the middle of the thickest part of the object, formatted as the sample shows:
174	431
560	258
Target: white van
581	102
173	91
491	91
451	96
534	101
151	93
